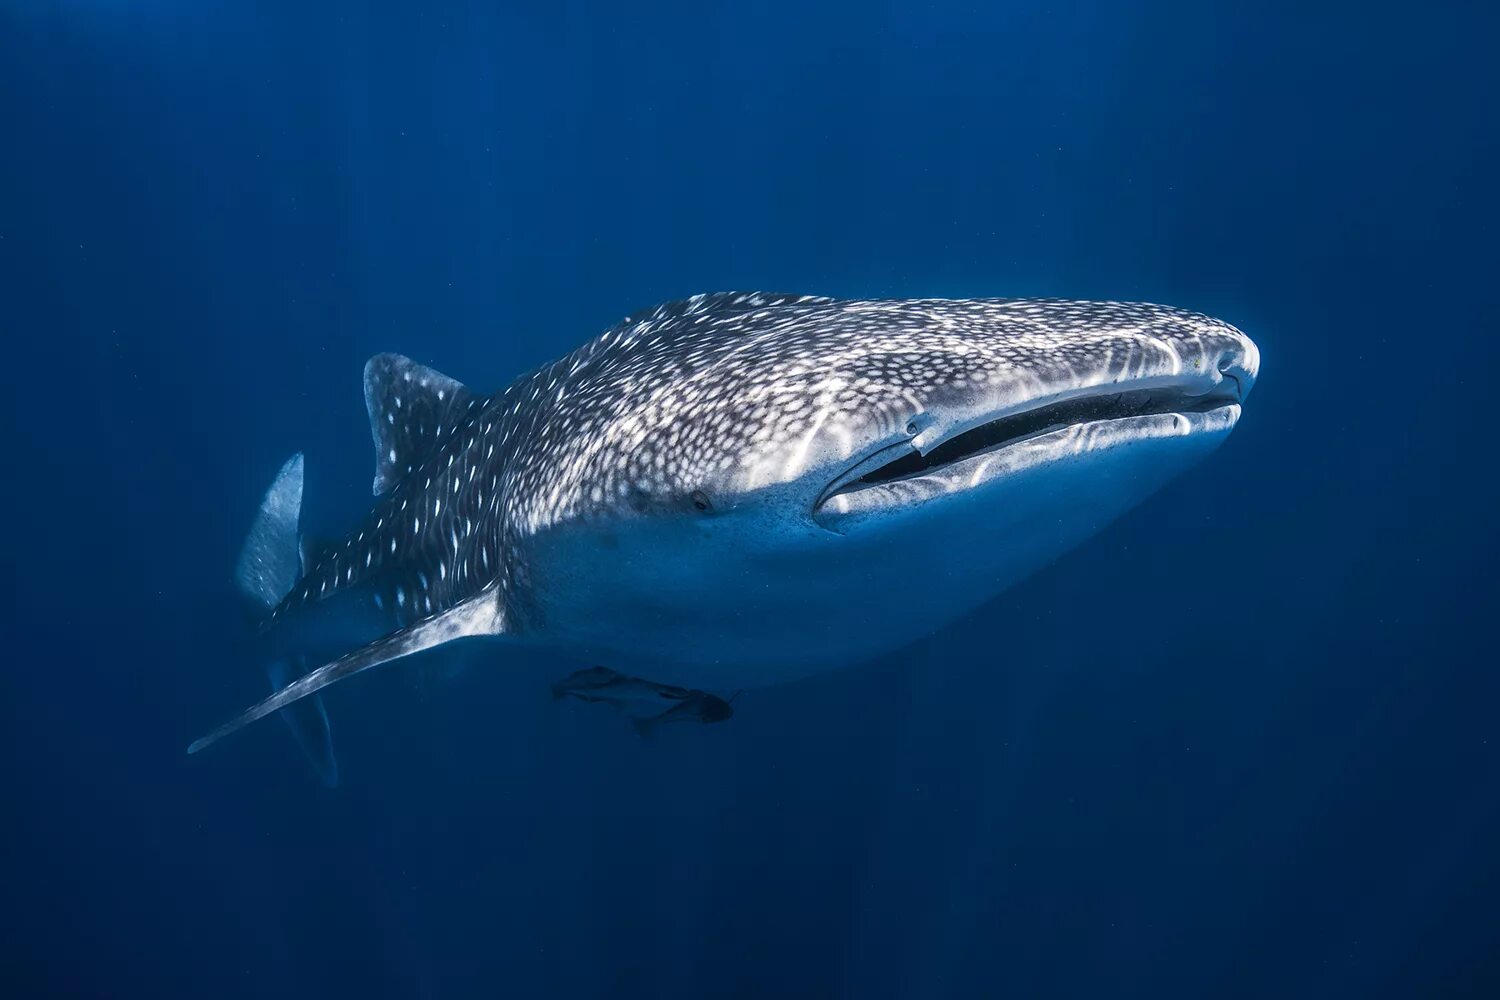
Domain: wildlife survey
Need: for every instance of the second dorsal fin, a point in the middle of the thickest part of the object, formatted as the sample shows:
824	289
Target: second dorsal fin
411	408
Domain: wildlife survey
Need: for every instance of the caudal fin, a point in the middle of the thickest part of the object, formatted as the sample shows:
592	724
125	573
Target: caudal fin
308	722
271	561
271	558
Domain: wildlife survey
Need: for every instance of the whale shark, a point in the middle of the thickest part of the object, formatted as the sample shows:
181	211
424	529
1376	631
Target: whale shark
740	489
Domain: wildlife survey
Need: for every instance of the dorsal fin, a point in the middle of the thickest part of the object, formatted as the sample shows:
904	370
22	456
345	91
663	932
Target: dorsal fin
411	408
718	303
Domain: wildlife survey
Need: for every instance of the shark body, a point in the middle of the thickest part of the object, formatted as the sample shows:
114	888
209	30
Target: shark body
739	489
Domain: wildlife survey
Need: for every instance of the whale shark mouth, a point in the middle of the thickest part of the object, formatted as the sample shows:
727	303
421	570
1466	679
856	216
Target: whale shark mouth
1176	407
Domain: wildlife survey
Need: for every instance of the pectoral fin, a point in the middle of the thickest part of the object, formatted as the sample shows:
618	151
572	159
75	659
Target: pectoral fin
478	616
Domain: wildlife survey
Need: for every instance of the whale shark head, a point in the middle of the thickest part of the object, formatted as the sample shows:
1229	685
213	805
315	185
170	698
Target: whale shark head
794	482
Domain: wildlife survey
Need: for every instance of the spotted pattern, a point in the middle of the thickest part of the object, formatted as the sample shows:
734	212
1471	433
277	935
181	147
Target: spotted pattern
411	409
430	541
720	396
698	404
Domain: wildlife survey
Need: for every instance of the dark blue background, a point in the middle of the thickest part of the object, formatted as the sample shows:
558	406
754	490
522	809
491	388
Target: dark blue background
1242	744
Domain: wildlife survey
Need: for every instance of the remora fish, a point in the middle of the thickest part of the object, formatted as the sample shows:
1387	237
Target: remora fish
742	488
646	703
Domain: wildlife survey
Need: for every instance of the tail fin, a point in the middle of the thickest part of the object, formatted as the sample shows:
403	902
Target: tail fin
308	721
271	558
269	565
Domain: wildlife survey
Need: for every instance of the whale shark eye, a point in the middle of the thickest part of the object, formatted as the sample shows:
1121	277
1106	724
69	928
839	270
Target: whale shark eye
701	501
911	428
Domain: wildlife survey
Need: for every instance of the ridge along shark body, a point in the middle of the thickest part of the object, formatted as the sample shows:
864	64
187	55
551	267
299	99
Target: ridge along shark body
741	489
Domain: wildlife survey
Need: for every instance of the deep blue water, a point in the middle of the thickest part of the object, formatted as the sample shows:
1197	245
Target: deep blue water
1244	743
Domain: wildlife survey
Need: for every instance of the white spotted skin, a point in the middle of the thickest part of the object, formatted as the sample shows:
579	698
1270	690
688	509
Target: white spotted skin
654	496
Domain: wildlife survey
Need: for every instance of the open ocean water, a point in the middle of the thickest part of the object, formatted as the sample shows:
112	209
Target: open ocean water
1243	743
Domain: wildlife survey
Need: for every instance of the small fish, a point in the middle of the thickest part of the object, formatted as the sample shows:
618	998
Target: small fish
646	703
698	706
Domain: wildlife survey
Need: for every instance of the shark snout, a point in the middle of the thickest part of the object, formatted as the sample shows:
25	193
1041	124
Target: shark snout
1235	361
